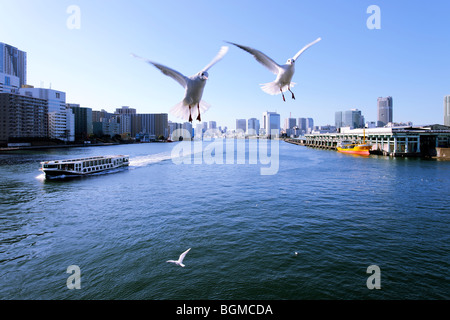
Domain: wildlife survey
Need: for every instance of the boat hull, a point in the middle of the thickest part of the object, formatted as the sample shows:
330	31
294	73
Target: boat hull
54	174
361	150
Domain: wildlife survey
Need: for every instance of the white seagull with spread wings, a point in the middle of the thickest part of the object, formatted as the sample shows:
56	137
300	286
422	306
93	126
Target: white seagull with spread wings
180	259
284	72
194	86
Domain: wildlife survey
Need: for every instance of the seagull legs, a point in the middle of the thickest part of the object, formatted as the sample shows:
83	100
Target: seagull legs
198	117
190	117
293	97
282	94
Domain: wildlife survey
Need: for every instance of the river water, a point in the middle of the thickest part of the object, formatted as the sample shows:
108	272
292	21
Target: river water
307	229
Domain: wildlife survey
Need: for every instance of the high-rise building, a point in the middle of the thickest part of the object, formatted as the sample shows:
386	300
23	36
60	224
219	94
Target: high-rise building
309	125
13	63
212	125
241	125
153	124
253	127
302	125
22	117
83	121
385	106
350	118
8	83
271	121
447	110
58	126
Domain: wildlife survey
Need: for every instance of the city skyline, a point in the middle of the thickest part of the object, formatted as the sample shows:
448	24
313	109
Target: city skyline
349	68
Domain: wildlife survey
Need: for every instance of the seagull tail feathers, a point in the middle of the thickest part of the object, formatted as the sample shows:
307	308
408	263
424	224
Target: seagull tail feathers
273	88
181	110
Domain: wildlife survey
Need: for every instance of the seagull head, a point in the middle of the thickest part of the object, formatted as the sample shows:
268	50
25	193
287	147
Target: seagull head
290	61
203	75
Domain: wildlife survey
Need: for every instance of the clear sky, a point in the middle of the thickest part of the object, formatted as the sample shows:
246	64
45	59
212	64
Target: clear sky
407	58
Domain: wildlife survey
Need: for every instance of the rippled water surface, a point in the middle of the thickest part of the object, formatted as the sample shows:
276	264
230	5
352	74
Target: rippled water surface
341	213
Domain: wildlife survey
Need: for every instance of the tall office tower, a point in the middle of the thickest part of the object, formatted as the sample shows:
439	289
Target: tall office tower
13	62
83	121
385	106
447	111
253	127
289	124
309	125
338	119
302	125
271	121
212	125
22	117
241	124
350	118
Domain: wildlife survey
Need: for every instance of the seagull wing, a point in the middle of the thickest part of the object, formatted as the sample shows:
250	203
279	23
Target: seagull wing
306	47
181	258
177	76
223	50
261	58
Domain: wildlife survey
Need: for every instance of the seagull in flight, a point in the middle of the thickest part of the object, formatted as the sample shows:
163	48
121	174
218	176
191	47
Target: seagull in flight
180	259
193	85
284	72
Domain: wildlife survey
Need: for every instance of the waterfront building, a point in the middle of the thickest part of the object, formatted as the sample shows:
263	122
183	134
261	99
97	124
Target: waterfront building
212	124
98	116
83	121
13	63
106	127
22	117
58	127
271	121
447	110
70	124
152	124
385	113
241	125
253	127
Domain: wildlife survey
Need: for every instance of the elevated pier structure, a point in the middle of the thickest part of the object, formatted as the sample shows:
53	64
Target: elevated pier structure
413	141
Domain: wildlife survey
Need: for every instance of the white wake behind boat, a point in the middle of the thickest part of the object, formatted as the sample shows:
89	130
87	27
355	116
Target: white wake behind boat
82	166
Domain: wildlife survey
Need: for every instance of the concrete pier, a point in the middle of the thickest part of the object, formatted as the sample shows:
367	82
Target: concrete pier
421	141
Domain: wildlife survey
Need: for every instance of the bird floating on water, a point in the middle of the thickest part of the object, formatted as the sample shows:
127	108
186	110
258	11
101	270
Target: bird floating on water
179	262
284	72
194	86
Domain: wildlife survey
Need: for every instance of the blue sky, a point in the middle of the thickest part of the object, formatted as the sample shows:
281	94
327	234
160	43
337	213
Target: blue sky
408	58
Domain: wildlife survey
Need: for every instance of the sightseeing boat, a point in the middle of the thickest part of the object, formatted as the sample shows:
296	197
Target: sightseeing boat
82	166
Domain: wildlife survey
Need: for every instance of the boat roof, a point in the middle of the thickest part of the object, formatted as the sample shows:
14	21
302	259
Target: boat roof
85	159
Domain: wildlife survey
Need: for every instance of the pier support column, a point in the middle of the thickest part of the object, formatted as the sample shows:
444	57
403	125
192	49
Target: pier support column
395	144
